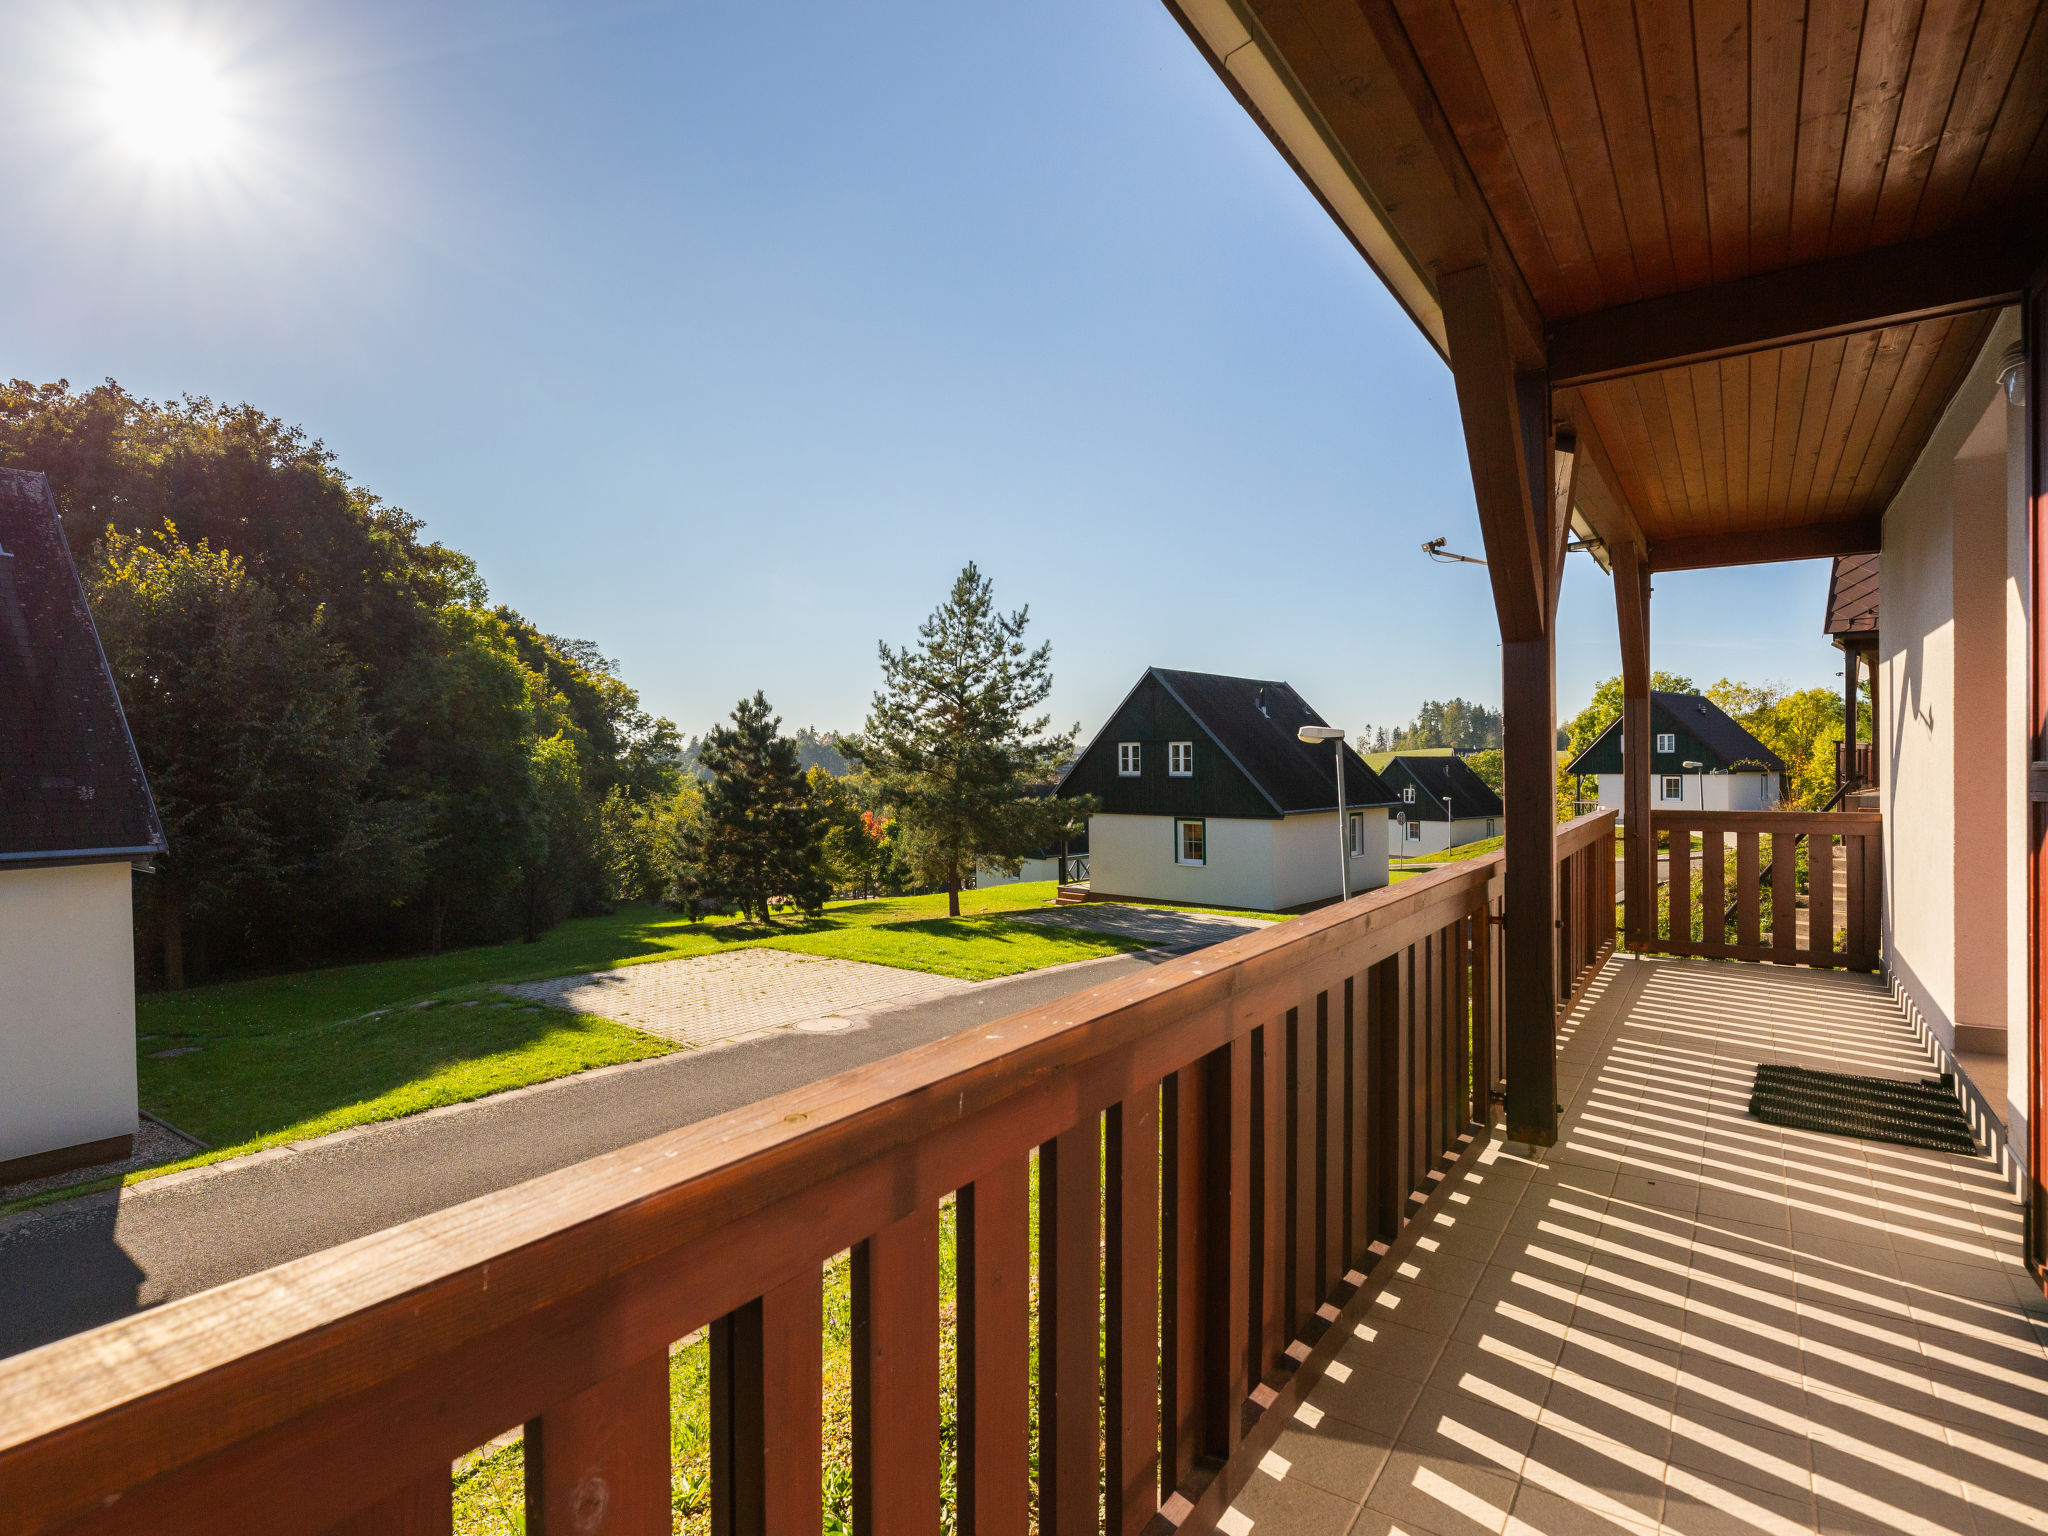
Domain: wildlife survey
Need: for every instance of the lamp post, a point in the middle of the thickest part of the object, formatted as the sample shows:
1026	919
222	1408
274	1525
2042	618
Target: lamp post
1313	734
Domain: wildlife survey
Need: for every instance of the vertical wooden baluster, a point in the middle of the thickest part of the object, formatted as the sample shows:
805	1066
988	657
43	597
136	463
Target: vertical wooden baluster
1748	898
1131	1223
1303	1166
1784	897
1820	896
1713	898
597	1463
1482	1017
1069	1329
1856	949
1421	1062
1404	1115
1383	1029
1269	1158
1873	893
426	1508
1681	887
767	1383
1566	910
1332	1256
1461	1025
1227	1284
896	1379
1184	1273
1357	1119
992	1471
1451	1099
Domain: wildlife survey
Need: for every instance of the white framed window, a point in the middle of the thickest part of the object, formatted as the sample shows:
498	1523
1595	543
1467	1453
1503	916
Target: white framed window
1129	759
1180	759
1666	742
1408	793
1354	834
1414	831
1190	842
1674	787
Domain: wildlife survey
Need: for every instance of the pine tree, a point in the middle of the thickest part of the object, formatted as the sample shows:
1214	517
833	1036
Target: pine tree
950	748
757	835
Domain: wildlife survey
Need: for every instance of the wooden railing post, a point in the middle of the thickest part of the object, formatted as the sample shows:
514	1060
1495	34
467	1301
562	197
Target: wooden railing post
994	1427
598	1462
1131	1396
1069	1325
767	1371
1227	1255
896	1379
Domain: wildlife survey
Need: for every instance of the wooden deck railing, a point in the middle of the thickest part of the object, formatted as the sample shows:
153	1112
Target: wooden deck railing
1767	849
1223	1146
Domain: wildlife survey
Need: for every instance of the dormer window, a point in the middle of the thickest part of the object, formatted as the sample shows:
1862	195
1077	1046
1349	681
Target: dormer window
1129	760
1180	759
1408	793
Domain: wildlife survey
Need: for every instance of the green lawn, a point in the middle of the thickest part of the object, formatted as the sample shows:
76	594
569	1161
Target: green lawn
285	1058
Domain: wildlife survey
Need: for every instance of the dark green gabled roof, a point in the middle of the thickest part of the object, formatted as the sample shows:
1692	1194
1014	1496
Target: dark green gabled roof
1705	734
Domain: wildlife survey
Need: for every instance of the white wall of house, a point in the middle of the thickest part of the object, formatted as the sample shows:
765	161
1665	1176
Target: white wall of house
1263	865
1699	791
67	1008
1951	723
1030	869
1437	836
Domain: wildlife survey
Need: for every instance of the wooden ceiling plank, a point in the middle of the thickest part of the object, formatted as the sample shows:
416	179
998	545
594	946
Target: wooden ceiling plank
1822	374
1777	44
1558	53
1882	67
1959	269
1952	359
1988	71
1685	432
1705	388
2015	125
1735	421
1889	351
1795	378
1763	425
1814	541
1721	45
1607	29
1946	30
1453	77
1858	354
1922	351
1834	31
1654	401
1671	75
1602	492
1617	415
1493	33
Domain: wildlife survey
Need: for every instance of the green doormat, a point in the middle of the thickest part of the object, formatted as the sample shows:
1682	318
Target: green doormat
1922	1114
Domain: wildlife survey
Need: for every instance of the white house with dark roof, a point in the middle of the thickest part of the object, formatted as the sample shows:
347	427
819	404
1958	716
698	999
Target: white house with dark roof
1440	803
1205	795
75	819
1701	759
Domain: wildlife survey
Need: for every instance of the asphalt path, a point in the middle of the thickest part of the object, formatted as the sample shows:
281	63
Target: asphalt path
87	1261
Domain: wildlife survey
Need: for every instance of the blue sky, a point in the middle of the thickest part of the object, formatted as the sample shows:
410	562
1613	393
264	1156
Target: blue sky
725	335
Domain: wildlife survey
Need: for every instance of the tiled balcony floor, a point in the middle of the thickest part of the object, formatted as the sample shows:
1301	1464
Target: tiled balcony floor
1684	1320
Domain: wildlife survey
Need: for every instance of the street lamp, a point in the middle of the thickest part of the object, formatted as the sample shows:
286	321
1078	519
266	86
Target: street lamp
1313	734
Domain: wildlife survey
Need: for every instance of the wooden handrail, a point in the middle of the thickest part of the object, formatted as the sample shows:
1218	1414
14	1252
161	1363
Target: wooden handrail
345	1382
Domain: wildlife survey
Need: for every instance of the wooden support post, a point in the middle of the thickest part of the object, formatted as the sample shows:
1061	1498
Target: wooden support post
597	1464
1639	843
1852	665
1507	438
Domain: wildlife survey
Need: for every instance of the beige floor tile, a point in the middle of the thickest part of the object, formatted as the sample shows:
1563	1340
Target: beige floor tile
1420	1493
1338	1457
1292	1506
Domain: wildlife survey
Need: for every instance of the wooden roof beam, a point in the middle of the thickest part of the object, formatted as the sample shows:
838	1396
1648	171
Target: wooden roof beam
1815	541
1948	274
1335	86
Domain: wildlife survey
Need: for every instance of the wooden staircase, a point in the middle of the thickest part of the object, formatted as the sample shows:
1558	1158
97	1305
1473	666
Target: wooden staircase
1071	896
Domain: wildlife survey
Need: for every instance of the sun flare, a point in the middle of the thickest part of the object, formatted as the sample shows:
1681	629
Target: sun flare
167	101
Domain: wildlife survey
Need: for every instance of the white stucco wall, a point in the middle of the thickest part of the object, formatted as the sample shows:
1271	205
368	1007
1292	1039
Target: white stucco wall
1709	791
1030	869
2017	750
1438	836
1263	865
67	1008
1947	719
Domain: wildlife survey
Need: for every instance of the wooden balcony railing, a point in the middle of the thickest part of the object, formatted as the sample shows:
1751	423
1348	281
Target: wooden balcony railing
1778	900
1224	1146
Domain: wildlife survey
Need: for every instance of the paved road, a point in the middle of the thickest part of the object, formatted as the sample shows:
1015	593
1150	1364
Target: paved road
73	1266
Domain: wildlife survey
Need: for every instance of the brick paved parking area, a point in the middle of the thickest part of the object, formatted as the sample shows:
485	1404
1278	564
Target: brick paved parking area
716	999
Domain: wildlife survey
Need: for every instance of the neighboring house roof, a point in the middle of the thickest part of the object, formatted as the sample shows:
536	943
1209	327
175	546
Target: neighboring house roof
1378	760
1251	722
71	786
1852	598
1446	788
1703	732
